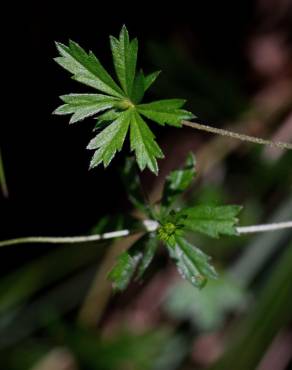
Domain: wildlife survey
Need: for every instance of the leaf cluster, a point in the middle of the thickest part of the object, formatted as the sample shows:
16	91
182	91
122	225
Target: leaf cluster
175	225
118	107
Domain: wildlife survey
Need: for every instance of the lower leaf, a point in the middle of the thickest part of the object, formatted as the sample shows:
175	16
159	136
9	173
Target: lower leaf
192	263
123	271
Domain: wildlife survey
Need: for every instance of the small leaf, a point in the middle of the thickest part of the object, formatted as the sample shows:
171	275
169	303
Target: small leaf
192	263
150	247
165	111
86	68
141	84
150	79
165	105
178	181
123	271
144	144
211	220
84	105
110	140
142	252
138	88
125	58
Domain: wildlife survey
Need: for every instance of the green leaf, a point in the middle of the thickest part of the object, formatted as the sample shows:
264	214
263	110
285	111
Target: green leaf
138	87
165	104
192	263
178	181
165	111
207	309
150	247
84	105
150	79
144	144
125	58
141	253
122	103
211	220
86	68
110	140
141	84
106	117
123	271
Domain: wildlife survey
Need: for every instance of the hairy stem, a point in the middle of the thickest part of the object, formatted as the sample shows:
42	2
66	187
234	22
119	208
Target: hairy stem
264	228
66	239
235	135
149	225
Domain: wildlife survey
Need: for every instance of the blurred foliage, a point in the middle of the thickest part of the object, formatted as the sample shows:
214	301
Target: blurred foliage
206	309
123	351
271	311
3	183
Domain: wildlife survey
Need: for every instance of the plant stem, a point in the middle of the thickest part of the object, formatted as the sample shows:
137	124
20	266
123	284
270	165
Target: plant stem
261	249
149	225
264	228
66	239
235	135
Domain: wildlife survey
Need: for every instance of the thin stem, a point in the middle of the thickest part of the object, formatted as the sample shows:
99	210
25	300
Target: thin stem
235	135
149	225
264	228
66	239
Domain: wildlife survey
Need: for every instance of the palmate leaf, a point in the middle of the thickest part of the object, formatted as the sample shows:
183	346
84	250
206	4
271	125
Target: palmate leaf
119	106
211	220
